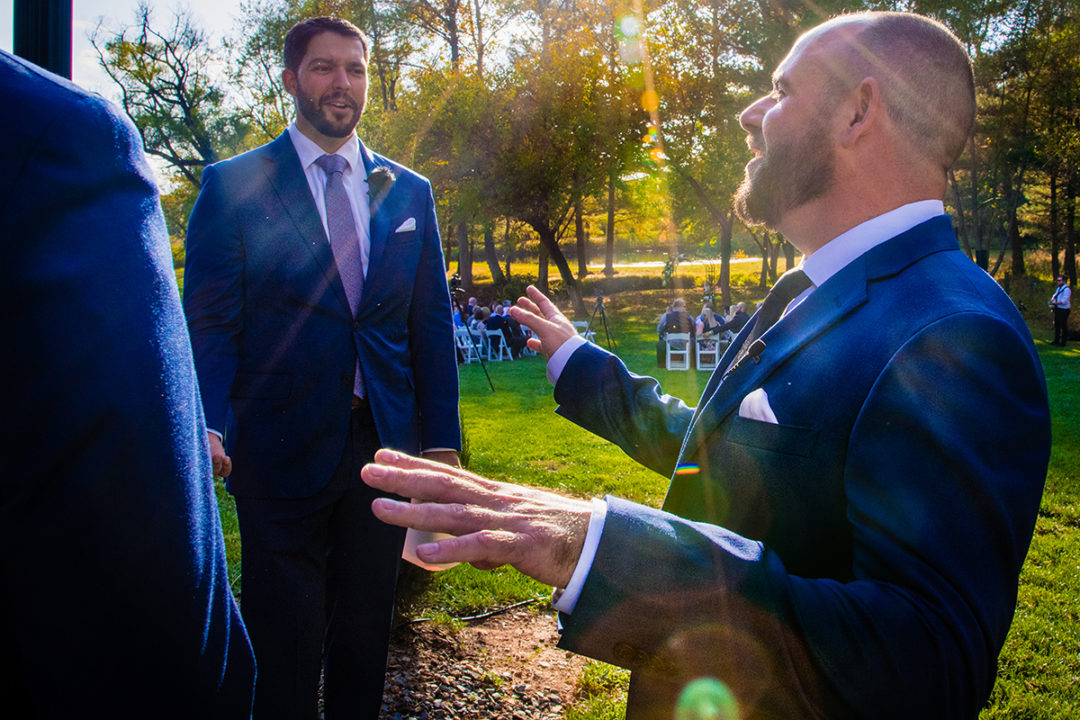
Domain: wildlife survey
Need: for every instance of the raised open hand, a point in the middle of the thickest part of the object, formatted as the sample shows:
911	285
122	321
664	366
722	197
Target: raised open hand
538	532
539	314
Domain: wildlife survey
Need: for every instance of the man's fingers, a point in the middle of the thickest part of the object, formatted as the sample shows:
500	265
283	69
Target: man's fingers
402	460
485	549
528	306
543	304
427	481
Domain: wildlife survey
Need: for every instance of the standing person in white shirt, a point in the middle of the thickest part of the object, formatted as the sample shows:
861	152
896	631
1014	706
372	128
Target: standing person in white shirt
1060	303
852	499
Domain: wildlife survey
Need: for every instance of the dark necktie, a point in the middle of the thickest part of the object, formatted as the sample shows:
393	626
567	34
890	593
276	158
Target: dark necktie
786	289
344	240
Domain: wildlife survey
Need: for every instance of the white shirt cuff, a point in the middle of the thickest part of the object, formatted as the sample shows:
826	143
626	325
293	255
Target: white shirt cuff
560	357
220	435
566	599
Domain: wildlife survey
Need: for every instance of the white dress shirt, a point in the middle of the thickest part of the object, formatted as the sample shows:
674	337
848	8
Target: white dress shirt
819	266
354	179
1062	298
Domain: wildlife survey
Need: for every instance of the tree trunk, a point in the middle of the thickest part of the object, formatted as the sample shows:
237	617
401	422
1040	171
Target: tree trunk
961	218
789	256
609	254
1070	227
582	245
542	271
548	240
1055	244
464	264
509	247
763	276
497	276
982	254
725	260
1017	242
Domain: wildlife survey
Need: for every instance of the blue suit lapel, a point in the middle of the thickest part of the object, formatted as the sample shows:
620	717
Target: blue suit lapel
379	224
827	305
824	307
287	178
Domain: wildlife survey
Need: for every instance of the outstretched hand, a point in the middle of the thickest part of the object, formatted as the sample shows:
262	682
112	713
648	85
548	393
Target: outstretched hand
538	532
540	315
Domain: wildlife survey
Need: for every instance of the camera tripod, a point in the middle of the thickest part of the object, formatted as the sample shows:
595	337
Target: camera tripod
598	309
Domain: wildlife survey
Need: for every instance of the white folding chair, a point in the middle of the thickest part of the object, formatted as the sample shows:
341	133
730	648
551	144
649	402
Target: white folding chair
497	348
678	351
707	353
464	343
583	330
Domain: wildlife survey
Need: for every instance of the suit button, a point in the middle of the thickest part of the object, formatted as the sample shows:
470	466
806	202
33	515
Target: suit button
347	381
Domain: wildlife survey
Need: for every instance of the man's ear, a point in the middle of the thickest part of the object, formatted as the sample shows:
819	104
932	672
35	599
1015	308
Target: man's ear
863	112
288	79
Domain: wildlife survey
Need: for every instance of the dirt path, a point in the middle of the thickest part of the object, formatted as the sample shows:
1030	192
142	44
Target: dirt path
505	667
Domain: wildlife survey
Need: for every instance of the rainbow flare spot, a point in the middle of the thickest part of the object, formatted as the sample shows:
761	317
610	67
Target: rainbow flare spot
688	469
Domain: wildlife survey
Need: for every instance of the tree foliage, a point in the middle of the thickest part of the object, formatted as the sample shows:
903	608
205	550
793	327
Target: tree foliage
542	114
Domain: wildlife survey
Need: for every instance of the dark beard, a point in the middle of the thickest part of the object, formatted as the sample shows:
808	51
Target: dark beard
311	109
789	175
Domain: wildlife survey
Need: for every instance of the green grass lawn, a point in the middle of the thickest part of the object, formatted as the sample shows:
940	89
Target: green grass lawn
514	434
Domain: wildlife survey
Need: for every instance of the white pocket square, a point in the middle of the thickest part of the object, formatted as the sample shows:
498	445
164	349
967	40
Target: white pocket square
755	406
406	226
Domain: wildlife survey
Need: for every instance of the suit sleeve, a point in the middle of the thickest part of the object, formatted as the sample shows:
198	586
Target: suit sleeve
213	295
115	594
943	481
597	392
431	339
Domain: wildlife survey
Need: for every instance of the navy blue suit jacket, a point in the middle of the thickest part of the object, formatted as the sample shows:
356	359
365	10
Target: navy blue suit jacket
861	557
114	594
275	341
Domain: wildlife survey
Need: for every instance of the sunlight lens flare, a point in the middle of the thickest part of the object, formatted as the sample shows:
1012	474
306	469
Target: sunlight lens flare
706	699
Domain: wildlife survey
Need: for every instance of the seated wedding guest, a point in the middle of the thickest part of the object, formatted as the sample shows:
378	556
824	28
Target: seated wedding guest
514	335
737	320
116	599
704	305
478	324
459	314
675	320
495	320
708	325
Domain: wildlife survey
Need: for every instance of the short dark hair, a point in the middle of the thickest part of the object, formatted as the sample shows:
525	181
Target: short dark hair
300	34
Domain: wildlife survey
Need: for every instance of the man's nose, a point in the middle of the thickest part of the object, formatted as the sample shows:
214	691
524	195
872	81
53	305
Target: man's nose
750	118
341	78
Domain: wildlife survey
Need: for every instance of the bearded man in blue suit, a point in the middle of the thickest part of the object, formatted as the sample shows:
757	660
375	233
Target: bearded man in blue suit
853	497
320	316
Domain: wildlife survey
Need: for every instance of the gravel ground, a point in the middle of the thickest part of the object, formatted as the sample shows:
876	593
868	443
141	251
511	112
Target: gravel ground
504	667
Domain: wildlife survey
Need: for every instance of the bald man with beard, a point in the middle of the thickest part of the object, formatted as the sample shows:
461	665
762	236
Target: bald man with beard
853	496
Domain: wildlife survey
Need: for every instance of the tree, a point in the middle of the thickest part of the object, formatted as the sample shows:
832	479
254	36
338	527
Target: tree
166	84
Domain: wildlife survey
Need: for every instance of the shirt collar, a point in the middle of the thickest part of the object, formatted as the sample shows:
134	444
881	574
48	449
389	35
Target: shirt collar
309	151
834	255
